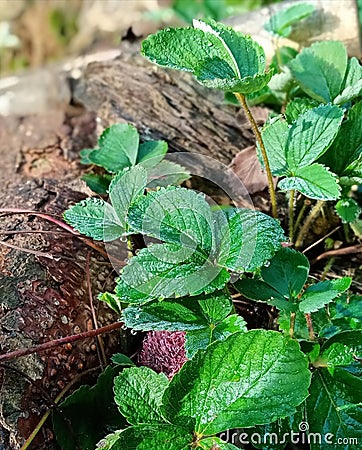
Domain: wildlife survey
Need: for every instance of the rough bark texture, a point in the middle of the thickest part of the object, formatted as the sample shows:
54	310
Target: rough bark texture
163	104
42	299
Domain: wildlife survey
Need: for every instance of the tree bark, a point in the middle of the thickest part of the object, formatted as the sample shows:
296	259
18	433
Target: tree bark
164	104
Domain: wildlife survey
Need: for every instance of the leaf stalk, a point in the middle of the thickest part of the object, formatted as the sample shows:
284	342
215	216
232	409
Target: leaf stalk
308	222
257	134
291	215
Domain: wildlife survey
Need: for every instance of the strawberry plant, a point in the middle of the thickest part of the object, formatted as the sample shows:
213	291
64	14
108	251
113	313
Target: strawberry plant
119	148
304	377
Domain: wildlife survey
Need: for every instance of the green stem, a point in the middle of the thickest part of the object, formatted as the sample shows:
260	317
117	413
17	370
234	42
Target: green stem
308	318
301	213
346	232
308	222
292	324
257	134
291	215
327	268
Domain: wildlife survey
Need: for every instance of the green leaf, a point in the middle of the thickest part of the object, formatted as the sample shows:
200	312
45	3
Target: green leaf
260	291
284	278
110	441
347	146
298	106
345	314
238	240
342	350
148	437
178	315
211	78
311	135
281	23
352	83
189	313
245	56
320	70
118	147
84	155
322	293
182	48
249	240
216	306
238	382
334	407
112	301
179	216
202	338
138	393
216	55
97	405
95	218
314	181
127	294
125	187
277	434
97	183
275	135
348	209
354	73
202	244
169	270
287	272
151	153
166	173
121	360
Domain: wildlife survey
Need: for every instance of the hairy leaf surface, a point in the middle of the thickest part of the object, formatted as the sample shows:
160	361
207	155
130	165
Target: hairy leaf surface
150	153
314	181
125	187
215	54
320	70
138	393
320	294
334	405
238	382
169	270
275	136
311	135
148	437
95	218
188	313
118	148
